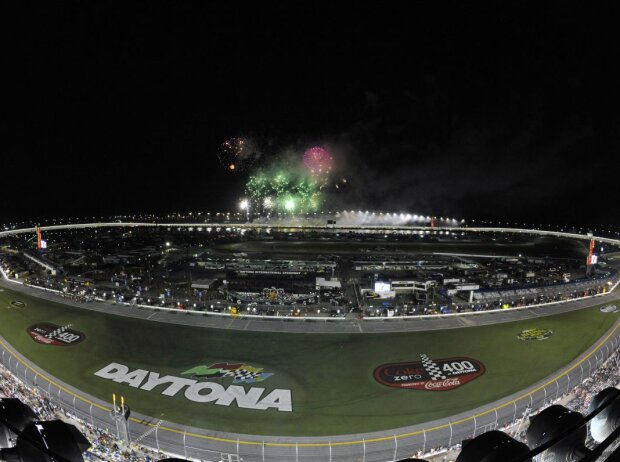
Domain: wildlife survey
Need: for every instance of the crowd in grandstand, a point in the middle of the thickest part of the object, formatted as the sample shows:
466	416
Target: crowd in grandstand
604	377
104	446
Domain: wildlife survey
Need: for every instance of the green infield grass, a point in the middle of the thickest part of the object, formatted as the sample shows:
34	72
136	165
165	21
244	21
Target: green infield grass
330	375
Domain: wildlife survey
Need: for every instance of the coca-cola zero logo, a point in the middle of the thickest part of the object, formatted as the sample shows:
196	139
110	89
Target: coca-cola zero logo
52	334
430	374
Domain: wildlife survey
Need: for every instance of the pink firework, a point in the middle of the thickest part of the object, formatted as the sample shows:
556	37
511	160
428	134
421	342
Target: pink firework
318	160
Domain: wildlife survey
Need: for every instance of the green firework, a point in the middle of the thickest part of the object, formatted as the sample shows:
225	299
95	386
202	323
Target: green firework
287	191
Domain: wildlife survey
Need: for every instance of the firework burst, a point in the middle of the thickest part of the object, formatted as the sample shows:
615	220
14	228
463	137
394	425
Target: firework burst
318	161
237	154
288	191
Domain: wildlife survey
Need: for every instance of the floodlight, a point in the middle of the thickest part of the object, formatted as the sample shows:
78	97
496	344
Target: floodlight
548	425
14	417
48	442
606	421
492	446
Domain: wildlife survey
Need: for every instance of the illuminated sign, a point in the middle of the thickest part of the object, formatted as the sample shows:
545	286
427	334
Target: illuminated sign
593	259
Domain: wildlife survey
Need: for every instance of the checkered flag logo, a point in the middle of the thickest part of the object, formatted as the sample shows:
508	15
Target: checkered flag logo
432	368
243	375
247	374
58	331
240	373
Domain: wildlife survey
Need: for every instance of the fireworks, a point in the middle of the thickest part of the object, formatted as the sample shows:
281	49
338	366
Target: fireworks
289	204
288	191
318	161
287	182
237	154
340	183
268	203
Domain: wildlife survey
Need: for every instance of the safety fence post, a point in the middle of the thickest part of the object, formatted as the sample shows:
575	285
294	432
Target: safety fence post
515	414
395	447
364	446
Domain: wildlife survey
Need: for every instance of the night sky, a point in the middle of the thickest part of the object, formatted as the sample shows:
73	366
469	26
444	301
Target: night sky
488	112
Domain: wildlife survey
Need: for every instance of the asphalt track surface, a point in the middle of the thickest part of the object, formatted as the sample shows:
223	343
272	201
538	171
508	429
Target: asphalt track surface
378	446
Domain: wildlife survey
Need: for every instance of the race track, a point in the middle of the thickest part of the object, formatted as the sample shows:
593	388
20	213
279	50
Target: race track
375	446
156	430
